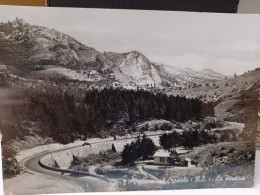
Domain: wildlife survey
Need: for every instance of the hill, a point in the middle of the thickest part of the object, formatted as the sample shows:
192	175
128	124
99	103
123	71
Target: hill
28	47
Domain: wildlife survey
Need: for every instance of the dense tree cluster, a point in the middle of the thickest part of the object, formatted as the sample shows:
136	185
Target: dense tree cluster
69	114
187	139
168	141
197	138
141	148
111	106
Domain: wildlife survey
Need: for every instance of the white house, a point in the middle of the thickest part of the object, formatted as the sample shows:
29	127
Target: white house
161	157
188	162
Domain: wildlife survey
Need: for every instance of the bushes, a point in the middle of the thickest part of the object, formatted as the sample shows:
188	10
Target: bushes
228	135
213	122
10	165
93	159
3	80
153	125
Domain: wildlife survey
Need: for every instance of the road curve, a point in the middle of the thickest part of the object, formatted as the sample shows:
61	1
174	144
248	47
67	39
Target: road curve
85	183
32	166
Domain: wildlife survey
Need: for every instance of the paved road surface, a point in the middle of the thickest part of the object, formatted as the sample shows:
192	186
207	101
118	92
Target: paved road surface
83	183
32	166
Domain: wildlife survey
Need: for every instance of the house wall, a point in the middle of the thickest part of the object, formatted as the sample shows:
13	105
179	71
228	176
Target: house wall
157	160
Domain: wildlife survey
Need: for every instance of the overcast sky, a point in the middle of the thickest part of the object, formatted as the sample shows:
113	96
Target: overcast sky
226	43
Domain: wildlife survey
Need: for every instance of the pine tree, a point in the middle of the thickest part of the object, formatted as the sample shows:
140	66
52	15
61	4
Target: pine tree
113	148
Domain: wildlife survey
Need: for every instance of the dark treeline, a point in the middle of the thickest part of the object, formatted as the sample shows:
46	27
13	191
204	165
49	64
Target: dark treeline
66	115
128	106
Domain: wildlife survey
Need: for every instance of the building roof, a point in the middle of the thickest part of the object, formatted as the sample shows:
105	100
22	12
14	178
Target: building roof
161	154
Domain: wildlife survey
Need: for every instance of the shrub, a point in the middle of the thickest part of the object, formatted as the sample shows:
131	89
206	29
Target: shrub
10	165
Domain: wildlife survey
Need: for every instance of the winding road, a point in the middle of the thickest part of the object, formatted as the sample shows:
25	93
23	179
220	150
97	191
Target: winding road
40	175
32	166
84	183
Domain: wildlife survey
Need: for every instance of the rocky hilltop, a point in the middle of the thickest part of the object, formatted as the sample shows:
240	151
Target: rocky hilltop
23	45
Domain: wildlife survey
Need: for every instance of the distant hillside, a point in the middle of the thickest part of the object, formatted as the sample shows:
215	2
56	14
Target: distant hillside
24	46
190	77
239	97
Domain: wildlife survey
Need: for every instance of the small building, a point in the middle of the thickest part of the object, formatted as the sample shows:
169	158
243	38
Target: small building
161	158
188	162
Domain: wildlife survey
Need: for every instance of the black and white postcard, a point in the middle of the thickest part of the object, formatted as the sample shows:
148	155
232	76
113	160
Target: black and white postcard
124	100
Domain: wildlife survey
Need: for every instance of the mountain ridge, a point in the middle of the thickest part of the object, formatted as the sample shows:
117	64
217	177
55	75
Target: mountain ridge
23	45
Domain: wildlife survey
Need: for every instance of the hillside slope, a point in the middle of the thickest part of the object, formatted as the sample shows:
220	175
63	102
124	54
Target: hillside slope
24	46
